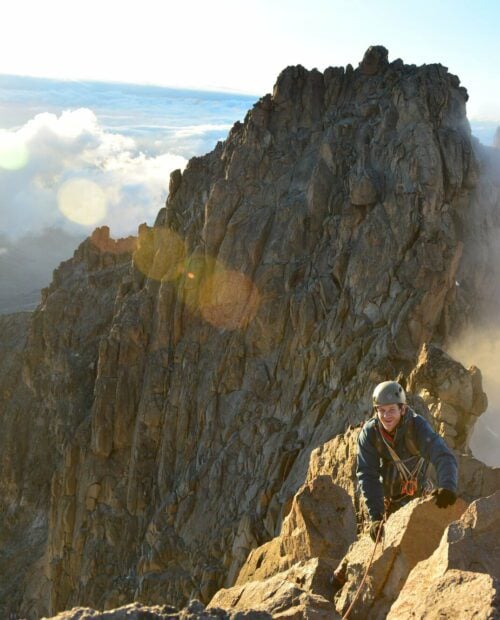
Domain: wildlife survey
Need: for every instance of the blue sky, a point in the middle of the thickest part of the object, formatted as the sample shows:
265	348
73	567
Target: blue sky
242	46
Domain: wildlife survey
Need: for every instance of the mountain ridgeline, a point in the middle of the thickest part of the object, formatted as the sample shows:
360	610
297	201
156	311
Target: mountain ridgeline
161	405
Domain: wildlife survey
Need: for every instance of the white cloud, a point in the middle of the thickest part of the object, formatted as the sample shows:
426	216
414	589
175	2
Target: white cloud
73	146
198	130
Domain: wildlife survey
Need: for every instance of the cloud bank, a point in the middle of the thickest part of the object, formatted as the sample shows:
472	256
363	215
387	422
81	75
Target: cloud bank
72	155
75	155
480	346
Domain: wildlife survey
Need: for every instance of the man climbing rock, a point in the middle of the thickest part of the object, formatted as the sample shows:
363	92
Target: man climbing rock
395	448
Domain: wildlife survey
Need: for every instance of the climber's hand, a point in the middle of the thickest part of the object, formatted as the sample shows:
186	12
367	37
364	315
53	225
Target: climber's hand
374	528
444	497
338	580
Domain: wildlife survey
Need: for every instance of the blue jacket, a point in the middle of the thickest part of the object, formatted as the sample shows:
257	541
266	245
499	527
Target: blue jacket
373	468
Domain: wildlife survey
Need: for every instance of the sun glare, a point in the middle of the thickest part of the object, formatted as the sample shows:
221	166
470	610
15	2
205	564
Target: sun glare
13	151
82	201
160	254
228	299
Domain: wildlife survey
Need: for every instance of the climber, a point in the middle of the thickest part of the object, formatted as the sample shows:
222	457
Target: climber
395	448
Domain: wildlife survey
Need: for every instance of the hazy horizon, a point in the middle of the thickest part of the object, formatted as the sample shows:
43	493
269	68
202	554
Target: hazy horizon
224	46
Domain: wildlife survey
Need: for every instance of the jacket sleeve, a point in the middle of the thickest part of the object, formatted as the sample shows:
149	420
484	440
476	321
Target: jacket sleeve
434	449
368	473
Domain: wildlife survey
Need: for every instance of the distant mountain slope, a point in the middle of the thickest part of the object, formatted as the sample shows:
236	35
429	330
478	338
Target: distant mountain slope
27	264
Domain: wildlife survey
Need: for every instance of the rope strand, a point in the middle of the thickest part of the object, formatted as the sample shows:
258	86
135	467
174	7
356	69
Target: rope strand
358	591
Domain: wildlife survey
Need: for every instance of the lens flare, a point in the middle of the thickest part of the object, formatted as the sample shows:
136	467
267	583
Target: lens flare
224	298
229	299
160	254
13	151
82	201
195	271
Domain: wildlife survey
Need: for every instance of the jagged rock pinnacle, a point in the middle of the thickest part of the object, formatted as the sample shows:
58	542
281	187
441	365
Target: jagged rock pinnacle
375	60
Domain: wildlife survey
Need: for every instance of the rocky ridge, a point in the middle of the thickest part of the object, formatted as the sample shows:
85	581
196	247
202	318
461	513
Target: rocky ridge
172	399
431	562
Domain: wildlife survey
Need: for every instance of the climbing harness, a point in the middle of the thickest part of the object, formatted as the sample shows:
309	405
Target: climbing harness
409	479
360	587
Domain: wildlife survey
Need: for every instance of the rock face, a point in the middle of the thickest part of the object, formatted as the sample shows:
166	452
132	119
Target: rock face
462	577
176	397
25	473
48	371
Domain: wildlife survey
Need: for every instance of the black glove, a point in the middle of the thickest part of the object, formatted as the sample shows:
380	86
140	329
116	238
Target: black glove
444	497
374	530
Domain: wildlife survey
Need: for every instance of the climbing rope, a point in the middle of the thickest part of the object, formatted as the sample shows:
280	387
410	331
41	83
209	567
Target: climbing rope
360	587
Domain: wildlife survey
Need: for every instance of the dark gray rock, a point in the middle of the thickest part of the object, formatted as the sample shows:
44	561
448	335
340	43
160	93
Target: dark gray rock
375	60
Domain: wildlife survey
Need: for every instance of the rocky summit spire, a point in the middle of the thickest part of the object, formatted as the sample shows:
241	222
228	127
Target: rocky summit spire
375	60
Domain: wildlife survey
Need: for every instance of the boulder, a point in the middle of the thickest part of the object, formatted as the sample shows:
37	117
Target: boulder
290	576
291	594
337	458
411	535
135	611
321	524
461	579
475	479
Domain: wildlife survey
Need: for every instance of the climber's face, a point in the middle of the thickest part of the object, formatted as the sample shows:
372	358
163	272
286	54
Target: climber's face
390	415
